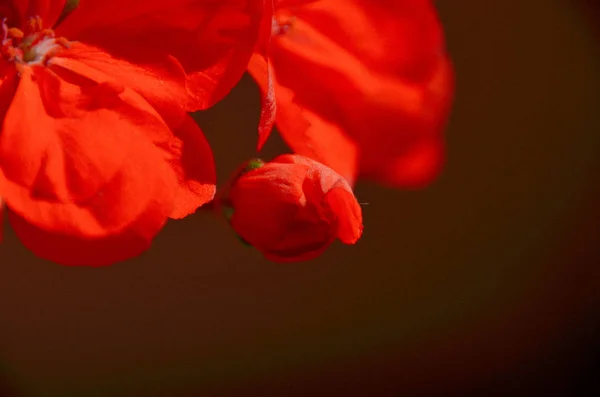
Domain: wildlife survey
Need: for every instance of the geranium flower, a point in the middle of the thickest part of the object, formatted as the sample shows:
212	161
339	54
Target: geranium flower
291	208
96	147
363	86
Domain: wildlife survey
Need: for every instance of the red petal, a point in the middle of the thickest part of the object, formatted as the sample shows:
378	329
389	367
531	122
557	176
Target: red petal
348	214
335	192
213	40
78	250
274	189
293	208
402	37
50	123
7	11
292	3
262	72
162	85
1	218
9	82
417	168
308	134
47	10
386	96
80	157
8	86
195	167
260	67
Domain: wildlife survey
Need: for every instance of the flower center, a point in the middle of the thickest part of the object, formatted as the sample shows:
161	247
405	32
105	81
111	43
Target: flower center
31	46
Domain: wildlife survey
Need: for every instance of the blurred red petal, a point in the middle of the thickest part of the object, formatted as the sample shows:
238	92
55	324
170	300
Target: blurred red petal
417	168
385	96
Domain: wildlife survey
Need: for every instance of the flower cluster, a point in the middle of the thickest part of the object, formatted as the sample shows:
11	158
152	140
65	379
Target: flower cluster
98	150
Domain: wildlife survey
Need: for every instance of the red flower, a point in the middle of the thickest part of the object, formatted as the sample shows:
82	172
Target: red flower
363	86
96	147
292	208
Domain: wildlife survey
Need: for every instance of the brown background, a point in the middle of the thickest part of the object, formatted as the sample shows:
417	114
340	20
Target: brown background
486	282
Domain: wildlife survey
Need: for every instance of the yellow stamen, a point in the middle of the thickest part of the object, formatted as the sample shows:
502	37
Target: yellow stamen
15	33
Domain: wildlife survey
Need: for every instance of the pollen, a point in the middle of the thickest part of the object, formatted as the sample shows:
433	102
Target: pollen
31	45
15	33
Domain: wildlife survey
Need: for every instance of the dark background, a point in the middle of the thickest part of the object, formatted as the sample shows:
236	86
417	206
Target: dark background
485	283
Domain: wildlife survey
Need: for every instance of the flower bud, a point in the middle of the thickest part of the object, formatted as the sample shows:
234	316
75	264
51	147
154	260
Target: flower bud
292	208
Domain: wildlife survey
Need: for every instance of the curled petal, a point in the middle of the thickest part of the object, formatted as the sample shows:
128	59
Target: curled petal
194	165
334	192
348	214
260	68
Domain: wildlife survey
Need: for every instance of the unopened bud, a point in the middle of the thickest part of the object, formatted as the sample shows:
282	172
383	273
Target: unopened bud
292	208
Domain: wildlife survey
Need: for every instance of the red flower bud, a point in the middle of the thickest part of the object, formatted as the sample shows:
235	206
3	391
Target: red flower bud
293	208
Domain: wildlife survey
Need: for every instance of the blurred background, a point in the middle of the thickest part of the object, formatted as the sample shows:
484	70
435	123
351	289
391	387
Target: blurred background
485	283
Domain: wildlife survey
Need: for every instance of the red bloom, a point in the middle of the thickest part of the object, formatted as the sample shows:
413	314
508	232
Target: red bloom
363	86
293	208
96	147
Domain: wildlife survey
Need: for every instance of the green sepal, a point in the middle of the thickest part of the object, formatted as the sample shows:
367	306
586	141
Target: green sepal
253	164
70	6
